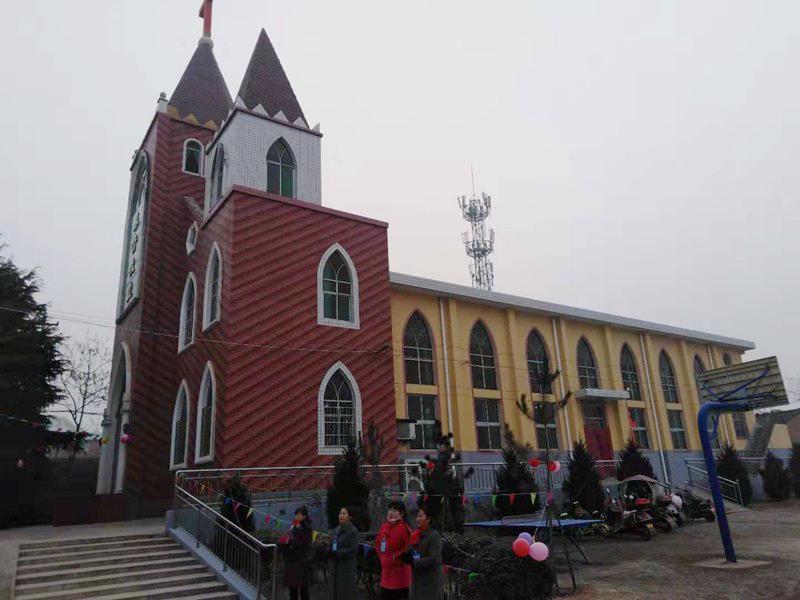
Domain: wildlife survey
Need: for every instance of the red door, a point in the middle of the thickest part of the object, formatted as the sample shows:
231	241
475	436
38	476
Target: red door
598	435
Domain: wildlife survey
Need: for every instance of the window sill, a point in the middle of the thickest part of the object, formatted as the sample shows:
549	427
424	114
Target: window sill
330	450
202	460
206	328
185	348
337	323
193	174
177	467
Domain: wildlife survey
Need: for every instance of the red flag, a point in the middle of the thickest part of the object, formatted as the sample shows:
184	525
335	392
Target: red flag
463	499
511	498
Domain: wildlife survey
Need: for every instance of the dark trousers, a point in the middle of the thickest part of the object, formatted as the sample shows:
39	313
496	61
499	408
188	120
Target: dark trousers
401	594
299	593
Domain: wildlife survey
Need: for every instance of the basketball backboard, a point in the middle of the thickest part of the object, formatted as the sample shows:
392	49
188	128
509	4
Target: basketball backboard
767	390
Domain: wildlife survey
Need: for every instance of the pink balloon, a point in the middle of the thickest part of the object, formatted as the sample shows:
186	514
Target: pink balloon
525	536
538	551
520	547
556	466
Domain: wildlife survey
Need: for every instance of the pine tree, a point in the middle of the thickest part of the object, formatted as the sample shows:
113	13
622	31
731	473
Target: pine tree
583	485
515	477
237	503
631	461
794	469
348	488
730	467
776	478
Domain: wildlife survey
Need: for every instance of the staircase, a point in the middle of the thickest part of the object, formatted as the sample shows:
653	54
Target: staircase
114	568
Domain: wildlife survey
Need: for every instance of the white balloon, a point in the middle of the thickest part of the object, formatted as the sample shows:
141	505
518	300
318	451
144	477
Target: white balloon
676	500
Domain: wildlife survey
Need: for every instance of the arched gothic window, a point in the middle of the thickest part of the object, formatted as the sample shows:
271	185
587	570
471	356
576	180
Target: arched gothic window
481	358
339	409
180	428
191	238
217	176
280	169
418	351
134	232
669	384
587	368
538	364
186	326
630	376
337	289
206	406
192	157
698	365
212	298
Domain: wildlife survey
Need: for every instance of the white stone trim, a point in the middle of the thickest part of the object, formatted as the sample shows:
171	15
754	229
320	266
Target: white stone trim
208	376
321	318
322	449
183	344
190	246
201	160
183	387
207	322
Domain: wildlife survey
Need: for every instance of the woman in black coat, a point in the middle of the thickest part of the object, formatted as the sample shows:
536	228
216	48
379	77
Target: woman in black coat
295	549
426	559
344	551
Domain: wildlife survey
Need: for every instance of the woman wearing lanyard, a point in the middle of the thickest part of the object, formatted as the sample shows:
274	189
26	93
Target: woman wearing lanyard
295	548
426	559
345	556
392	542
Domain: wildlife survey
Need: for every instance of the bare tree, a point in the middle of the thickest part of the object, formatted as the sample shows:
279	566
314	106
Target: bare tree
84	381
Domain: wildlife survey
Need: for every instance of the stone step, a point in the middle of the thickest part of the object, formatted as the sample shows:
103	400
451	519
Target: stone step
90	540
182	593
81	555
213	596
120	580
175	586
105	546
37	567
110	570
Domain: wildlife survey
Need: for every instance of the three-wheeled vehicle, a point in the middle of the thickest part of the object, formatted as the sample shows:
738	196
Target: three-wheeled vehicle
644	493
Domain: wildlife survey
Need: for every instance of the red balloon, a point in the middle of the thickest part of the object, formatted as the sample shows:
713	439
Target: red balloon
521	547
430	466
534	462
551	466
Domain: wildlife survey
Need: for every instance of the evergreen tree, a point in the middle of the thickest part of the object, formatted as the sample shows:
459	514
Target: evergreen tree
631	461
730	467
237	503
583	485
776	478
794	469
515	477
348	488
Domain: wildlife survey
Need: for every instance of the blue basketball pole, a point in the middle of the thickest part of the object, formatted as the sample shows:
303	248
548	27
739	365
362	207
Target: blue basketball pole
711	468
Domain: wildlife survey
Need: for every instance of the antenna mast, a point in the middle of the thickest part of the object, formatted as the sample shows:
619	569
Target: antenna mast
480	244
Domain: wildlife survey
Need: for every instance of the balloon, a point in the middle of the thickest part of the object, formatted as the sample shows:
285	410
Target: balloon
430	466
20	464
525	536
676	500
520	547
538	551
554	466
534	462
125	438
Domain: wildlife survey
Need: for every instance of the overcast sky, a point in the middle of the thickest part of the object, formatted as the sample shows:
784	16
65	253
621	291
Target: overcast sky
642	157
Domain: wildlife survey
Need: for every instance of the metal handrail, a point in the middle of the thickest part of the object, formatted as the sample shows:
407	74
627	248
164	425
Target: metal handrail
724	481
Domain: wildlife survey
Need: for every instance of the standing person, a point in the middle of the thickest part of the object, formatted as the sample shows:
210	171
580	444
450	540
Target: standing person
295	548
426	559
344	551
394	540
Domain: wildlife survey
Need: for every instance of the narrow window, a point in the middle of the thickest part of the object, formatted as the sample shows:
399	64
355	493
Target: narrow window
280	169
668	383
726	360
481	355
180	428
339	421
422	408
487	420
217	175
418	351
204	445
186	327
192	157
134	233
676	429
587	368
538	365
213	290
630	376
191	238
337	289
740	426
639	427
546	431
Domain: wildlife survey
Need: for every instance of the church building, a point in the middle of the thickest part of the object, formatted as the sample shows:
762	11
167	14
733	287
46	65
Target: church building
257	325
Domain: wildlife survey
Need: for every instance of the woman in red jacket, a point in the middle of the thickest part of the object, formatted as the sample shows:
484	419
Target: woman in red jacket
394	540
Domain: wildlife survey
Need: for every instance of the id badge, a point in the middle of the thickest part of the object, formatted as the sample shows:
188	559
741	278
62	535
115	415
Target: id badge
416	555
334	545
383	546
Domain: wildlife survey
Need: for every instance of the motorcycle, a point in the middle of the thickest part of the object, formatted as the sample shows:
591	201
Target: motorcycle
695	507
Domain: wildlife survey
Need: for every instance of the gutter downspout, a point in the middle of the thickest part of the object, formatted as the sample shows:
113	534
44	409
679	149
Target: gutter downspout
656	418
446	368
561	385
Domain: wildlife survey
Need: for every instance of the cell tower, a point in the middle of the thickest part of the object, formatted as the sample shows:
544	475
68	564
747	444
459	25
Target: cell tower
479	245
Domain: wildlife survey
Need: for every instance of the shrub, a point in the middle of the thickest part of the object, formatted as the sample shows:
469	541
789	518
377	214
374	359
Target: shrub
632	462
583	484
730	467
514	477
776	478
348	488
794	469
237	503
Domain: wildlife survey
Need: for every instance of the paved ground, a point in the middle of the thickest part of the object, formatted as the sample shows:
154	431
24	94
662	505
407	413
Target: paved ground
10	540
629	569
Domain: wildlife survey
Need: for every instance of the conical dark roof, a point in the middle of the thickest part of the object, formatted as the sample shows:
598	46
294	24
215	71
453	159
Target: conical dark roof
265	83
202	91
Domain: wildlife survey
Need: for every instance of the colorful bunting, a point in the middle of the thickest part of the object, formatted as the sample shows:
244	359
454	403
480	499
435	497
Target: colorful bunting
511	499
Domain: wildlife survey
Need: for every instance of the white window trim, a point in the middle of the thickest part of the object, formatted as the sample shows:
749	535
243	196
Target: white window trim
183	387
207	323
208	375
202	158
191	246
323	449
182	343
209	196
321	318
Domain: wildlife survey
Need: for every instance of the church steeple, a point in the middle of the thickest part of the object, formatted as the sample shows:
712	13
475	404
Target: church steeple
265	83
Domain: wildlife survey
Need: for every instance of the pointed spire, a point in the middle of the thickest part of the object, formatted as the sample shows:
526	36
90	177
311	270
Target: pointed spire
265	83
201	90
